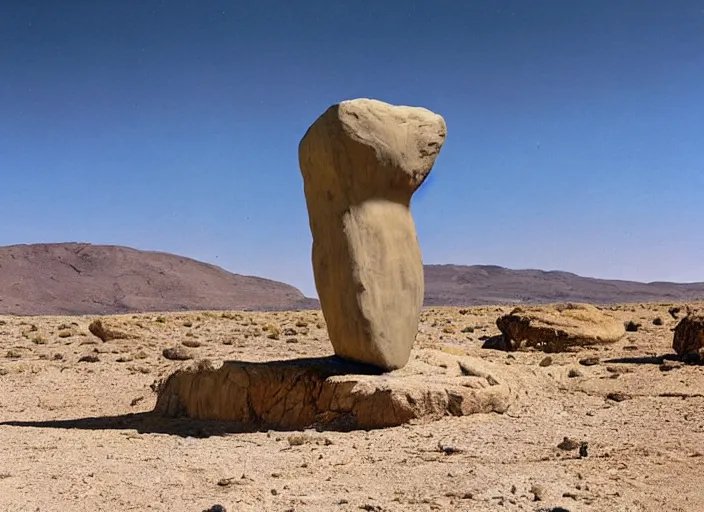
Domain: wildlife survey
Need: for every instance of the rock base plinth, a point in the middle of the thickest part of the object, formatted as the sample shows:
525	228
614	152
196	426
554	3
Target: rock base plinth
334	393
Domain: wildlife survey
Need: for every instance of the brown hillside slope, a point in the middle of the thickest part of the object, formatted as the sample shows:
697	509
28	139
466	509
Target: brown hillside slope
73	278
459	285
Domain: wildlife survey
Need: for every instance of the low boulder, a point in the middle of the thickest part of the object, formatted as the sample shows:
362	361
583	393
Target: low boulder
558	327
689	335
105	333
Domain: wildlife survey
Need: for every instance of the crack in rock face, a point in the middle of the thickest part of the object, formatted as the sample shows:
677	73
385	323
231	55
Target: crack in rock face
335	394
361	162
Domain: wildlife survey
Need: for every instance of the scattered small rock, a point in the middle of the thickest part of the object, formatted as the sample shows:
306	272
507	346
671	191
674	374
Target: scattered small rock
191	343
689	334
215	508
547	361
139	369
568	444
618	369
632	326
657	321
177	354
583	449
538	492
449	449
98	330
90	358
574	372
13	354
299	439
274	332
674	312
618	396
589	361
498	342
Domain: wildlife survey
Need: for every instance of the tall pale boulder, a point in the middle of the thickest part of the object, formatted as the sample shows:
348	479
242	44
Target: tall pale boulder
361	162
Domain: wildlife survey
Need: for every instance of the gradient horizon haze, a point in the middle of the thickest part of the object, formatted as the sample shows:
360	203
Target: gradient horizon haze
575	129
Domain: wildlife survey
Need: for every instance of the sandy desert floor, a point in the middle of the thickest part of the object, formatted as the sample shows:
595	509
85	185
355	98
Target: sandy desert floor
77	434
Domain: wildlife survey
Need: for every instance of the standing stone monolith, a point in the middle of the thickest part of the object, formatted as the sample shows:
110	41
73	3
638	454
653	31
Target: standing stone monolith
361	162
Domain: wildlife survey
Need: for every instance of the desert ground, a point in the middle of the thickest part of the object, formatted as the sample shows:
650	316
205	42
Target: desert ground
77	433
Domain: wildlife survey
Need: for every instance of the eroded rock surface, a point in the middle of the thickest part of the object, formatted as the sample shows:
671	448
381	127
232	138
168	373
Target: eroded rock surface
689	334
335	393
555	328
361	162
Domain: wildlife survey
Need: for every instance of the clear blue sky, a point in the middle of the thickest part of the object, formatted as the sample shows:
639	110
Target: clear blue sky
575	128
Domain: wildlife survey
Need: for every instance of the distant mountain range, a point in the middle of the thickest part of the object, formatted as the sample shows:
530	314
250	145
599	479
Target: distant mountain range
79	278
460	285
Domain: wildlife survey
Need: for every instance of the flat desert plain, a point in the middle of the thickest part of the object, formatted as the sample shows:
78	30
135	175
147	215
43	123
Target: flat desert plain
77	434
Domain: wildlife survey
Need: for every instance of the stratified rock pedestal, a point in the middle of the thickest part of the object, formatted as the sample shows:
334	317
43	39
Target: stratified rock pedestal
334	393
